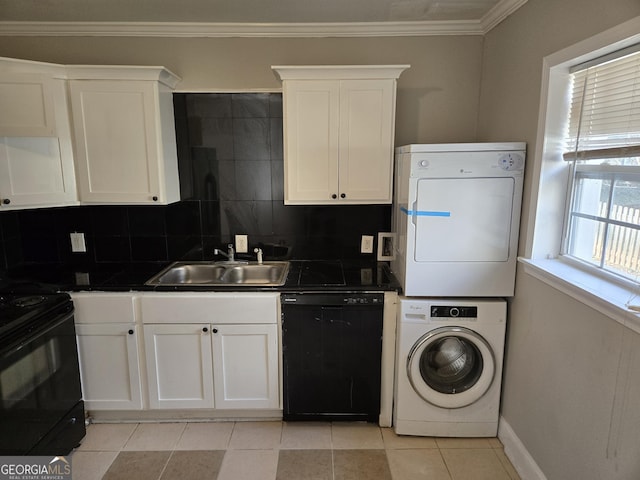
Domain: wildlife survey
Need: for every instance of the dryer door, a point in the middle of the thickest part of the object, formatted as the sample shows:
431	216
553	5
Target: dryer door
451	367
463	219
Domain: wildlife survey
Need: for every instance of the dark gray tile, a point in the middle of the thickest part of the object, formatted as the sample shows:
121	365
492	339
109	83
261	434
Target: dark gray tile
217	105
253	180
251	139
250	217
193	465
276	139
138	465
305	465
218	133
250	105
361	465
275	105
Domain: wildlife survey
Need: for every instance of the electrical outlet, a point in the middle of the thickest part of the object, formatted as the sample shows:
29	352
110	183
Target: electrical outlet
242	244
78	244
366	246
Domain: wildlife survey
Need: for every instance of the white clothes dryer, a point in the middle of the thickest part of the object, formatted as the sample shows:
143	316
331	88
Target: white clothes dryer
449	367
456	217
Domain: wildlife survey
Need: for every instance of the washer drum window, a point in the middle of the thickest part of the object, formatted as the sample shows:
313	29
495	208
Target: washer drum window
451	367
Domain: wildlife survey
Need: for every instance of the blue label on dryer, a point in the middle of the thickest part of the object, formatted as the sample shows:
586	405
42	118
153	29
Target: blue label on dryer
426	213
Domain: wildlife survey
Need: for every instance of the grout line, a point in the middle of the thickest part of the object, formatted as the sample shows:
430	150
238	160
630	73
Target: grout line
166	464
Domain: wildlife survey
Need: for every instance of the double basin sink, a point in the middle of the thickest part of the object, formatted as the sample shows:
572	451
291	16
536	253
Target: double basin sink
266	274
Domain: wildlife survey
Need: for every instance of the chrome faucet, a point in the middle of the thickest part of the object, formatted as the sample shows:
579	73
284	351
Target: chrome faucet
230	255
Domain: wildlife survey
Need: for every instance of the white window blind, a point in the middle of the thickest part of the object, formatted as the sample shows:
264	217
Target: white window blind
603	140
605	109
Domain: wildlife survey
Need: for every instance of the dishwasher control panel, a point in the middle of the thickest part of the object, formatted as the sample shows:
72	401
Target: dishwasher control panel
333	299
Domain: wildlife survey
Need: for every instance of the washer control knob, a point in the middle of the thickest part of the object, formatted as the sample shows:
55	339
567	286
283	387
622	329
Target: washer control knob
454	312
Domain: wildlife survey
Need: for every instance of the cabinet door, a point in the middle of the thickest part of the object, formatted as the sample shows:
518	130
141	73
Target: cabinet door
109	366
311	141
117	145
245	359
367	109
179	369
26	105
35	171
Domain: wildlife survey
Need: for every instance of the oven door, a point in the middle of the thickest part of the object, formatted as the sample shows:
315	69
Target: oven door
39	387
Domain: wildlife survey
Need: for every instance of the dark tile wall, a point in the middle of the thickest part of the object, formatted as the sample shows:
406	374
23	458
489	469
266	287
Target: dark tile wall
231	175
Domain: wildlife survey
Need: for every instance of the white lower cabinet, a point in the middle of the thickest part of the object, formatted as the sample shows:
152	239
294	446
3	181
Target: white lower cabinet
109	368
245	361
179	367
227	360
108	350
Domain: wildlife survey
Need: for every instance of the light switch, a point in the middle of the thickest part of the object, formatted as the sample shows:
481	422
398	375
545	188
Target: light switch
77	243
367	244
242	244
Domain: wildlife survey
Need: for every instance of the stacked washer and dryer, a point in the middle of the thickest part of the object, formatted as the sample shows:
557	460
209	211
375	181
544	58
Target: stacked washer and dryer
456	219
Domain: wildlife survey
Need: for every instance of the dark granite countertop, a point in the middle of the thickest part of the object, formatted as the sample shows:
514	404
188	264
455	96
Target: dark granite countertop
304	275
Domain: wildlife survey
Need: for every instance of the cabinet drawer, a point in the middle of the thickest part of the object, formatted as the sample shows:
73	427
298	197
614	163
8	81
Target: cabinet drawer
218	308
103	307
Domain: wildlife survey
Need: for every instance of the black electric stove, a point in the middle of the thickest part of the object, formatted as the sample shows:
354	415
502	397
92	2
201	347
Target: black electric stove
41	407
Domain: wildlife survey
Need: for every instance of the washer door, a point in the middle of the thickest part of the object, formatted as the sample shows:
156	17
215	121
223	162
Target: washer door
451	367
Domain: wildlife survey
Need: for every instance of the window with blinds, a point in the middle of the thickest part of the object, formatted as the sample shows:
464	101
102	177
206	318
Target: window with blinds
603	144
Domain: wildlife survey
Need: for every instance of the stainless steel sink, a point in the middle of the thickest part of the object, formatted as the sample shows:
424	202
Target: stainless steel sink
266	274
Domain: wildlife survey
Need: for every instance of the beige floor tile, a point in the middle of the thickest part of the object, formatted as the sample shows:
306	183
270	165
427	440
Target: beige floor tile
417	464
107	436
444	442
495	443
356	436
305	465
138	465
90	465
155	436
249	465
256	435
306	435
474	463
205	436
360	465
508	466
391	440
193	465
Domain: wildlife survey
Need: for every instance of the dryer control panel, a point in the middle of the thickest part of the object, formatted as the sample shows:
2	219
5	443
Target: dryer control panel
442	311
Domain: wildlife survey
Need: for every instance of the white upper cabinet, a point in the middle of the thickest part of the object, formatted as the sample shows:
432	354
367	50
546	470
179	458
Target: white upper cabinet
339	124
36	153
124	134
26	105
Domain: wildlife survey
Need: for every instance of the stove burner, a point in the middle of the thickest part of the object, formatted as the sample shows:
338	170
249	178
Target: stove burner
30	301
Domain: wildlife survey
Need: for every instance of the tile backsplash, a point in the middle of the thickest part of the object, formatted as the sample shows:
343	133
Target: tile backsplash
231	178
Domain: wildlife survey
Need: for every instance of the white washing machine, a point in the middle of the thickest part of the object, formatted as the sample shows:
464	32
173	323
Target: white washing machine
449	366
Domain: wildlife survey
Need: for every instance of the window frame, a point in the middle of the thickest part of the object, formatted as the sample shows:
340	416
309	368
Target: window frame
550	177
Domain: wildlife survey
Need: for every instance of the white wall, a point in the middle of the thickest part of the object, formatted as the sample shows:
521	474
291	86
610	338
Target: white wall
571	387
437	97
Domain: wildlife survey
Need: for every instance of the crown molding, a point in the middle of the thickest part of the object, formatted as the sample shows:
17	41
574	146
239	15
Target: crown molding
207	29
198	29
498	13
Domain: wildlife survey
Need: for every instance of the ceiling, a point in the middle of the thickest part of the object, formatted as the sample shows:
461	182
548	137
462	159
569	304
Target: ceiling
253	17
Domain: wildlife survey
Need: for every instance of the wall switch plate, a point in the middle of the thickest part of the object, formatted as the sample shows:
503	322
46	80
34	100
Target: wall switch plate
242	244
78	244
366	246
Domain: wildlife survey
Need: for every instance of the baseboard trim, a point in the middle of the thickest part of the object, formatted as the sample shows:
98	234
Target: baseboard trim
516	452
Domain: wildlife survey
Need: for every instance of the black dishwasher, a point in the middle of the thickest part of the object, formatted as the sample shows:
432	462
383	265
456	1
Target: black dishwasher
332	347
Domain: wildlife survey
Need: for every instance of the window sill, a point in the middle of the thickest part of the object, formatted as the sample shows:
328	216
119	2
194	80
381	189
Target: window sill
609	298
